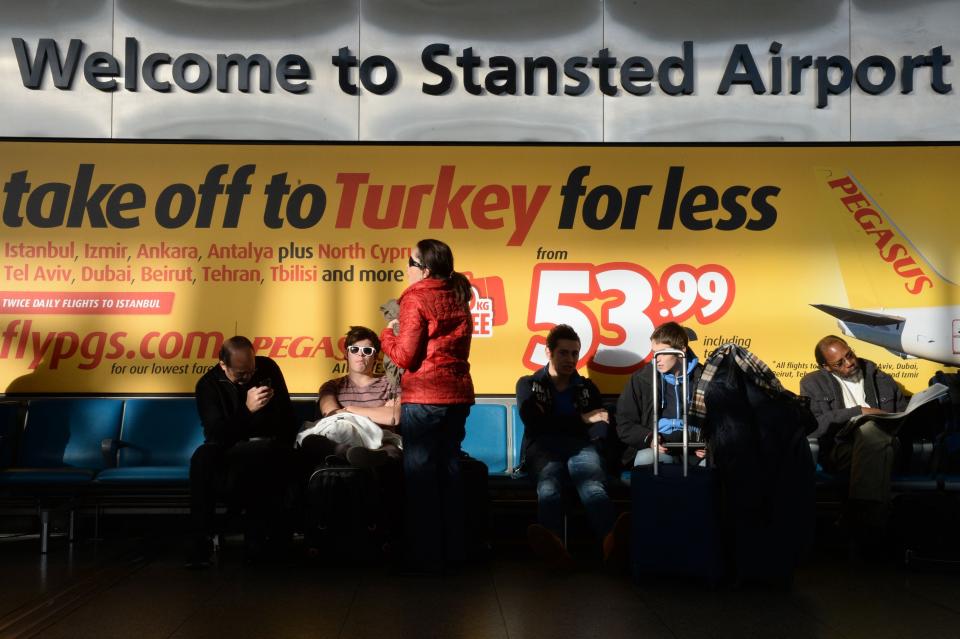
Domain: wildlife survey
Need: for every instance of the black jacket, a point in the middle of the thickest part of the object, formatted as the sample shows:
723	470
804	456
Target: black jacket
826	399
635	408
546	436
224	414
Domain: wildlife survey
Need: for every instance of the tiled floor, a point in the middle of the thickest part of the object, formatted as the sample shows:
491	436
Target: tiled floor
138	589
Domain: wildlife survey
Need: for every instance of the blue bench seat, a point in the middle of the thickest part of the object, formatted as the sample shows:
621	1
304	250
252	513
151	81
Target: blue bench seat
60	443
157	438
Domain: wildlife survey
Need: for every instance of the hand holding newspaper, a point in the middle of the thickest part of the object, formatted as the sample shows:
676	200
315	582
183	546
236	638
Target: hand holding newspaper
927	395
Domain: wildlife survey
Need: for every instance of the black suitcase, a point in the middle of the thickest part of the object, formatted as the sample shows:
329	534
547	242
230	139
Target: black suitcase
474	476
674	523
674	526
341	505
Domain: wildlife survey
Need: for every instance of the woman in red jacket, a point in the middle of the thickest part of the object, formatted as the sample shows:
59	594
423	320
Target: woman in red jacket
433	345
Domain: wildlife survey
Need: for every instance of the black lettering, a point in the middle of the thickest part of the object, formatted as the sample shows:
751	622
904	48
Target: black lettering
907	67
150	65
776	69
48	54
631	208
636	69
503	79
530	66
344	62
768	214
15	189
434	67
366	74
185	211
293	67
825	86
604	63
275	191
671	193
571	192
116	206
797	65
689	207
101	65
738	214
59	193
180	66
318	203
468	62
937	62
82	203
571	69
685	65
244	67
741	57
863	74
131	61
591	207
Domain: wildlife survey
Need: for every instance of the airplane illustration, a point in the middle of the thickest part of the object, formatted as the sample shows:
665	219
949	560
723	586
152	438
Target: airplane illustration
879	263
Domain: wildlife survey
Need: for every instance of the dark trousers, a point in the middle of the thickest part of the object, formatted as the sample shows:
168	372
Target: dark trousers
434	490
252	475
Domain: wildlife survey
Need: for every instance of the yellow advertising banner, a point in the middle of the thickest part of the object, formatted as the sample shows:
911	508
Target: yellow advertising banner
125	265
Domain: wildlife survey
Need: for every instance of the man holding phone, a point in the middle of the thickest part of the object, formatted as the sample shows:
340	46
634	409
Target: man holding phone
249	426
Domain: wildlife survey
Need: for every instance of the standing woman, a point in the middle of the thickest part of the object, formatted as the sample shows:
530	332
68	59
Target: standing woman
433	345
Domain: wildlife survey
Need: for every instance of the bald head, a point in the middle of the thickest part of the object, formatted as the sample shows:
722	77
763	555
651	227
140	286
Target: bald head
820	350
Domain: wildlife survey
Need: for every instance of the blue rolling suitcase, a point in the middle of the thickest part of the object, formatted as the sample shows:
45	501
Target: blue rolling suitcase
675	524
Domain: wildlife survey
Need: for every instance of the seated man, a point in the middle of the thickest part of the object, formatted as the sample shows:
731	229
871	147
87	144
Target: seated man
635	404
844	388
248	426
564	425
358	393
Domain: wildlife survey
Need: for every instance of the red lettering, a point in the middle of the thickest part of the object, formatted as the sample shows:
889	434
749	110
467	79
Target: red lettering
845	183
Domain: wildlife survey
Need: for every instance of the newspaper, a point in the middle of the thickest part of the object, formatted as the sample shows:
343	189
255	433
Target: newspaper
927	395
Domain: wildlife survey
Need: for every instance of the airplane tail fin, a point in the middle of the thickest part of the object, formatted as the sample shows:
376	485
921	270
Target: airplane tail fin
880	266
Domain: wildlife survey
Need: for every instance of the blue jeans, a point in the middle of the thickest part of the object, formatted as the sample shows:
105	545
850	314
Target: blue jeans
585	469
434	490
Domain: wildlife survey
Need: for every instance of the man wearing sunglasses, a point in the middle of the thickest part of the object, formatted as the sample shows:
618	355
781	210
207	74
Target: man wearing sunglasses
248	425
844	388
360	392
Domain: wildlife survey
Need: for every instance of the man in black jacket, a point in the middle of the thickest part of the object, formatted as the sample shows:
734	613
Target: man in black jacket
249	427
564	425
844	388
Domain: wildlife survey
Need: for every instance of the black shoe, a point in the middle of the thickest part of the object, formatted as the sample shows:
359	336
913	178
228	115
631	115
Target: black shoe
365	458
200	555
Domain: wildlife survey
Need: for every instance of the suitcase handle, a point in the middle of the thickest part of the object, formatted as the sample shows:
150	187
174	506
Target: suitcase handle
682	356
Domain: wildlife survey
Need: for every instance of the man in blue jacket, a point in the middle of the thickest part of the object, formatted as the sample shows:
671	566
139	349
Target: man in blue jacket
635	407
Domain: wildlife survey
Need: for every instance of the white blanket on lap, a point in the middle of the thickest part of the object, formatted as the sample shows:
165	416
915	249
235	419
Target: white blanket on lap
350	429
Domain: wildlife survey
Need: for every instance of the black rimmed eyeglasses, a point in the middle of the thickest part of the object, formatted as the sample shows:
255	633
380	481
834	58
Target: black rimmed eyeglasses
415	264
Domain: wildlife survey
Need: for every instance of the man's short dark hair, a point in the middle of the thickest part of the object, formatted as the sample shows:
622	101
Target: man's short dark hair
360	333
829	340
672	334
559	332
232	345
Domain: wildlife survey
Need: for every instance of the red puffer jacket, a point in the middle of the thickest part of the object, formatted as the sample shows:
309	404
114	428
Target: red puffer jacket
433	345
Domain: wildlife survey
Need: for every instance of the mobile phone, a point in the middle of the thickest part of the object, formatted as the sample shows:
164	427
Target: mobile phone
266	381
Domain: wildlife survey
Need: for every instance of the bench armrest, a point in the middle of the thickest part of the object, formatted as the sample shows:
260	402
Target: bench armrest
109	448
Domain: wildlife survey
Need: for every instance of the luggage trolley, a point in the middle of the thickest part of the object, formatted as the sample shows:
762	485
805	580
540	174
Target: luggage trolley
686	445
